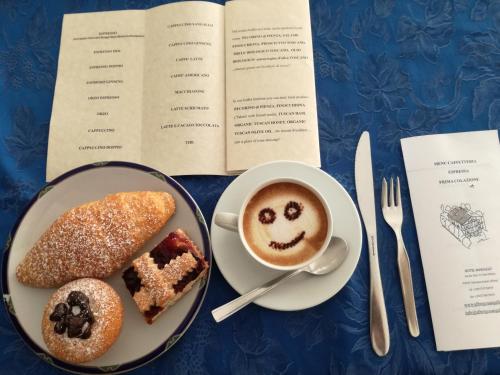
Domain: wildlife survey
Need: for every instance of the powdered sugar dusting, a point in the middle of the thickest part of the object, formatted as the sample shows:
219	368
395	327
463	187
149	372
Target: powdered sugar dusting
178	267
95	239
108	314
157	285
154	290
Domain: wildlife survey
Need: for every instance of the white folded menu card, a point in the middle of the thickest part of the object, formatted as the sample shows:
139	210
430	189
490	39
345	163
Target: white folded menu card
454	182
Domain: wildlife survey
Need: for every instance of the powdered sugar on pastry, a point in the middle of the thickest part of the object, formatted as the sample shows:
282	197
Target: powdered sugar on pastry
159	278
95	239
107	310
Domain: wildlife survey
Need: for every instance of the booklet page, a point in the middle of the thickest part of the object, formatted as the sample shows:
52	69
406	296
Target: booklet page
97	110
270	90
184	109
454	181
141	86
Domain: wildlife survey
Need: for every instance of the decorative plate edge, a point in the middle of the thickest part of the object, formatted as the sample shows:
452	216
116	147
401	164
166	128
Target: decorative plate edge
8	303
8	242
202	282
158	176
171	341
199	216
45	357
44	191
109	368
100	163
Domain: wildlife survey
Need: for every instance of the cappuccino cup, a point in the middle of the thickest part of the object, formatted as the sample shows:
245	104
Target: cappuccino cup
283	223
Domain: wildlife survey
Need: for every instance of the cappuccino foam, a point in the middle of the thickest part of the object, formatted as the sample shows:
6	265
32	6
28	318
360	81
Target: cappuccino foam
285	224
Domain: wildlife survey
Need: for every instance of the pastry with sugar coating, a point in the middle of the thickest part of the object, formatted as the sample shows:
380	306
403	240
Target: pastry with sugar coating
159	278
82	320
95	239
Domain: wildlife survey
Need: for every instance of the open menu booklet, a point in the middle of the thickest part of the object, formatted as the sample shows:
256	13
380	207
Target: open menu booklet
186	88
454	181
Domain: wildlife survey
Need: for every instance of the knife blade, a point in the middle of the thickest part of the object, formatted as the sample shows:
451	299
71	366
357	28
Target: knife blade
363	175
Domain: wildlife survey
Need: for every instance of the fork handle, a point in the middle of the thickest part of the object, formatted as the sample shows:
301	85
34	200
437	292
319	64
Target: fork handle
407	287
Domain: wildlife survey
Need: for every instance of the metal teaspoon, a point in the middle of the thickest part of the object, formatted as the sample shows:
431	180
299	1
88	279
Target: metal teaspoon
332	258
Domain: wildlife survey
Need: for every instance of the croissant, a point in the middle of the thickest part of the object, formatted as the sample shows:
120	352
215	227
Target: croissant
95	239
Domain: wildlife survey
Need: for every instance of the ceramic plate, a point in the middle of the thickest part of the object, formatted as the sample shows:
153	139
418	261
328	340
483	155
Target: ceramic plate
244	273
138	342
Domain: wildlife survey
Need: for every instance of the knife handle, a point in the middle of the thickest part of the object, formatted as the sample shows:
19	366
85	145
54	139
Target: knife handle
379	329
407	287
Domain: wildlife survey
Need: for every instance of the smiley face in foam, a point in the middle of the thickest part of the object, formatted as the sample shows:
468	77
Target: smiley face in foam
285	224
292	212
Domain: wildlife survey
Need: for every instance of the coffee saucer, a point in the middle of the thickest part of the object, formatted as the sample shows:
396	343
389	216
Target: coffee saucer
244	273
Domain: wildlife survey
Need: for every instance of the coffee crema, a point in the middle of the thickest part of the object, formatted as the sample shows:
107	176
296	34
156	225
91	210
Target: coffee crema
285	224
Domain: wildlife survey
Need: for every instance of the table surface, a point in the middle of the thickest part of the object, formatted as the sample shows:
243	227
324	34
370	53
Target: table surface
396	68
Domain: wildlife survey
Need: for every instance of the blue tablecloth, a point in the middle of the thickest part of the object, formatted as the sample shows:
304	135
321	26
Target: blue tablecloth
396	68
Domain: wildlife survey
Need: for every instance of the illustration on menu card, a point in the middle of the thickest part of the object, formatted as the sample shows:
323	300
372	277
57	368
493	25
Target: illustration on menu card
466	225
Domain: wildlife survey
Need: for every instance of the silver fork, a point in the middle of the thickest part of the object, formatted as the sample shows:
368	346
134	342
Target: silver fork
393	215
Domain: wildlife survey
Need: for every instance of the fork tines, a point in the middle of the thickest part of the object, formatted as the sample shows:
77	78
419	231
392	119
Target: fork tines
394	201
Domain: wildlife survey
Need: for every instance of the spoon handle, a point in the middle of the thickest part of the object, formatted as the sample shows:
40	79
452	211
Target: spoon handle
225	311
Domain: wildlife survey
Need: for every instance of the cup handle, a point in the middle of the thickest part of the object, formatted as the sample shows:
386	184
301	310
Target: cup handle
227	220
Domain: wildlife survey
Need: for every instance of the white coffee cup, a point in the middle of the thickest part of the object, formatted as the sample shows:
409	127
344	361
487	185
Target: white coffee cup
234	222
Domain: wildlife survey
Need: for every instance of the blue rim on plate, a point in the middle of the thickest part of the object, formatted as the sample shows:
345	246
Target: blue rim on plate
169	341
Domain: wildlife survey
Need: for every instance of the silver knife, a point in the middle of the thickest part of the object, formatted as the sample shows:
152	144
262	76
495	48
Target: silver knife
363	174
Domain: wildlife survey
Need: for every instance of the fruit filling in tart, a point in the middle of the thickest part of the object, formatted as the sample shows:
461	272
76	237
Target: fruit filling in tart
159	278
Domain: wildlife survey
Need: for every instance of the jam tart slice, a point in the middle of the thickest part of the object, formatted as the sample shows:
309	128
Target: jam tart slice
159	278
